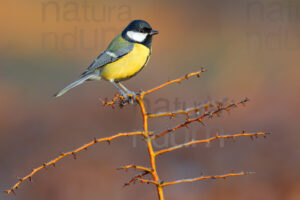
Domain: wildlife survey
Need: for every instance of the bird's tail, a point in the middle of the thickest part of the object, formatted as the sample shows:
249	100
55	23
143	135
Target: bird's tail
74	84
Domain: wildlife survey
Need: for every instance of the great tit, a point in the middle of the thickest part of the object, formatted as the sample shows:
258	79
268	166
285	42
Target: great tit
125	56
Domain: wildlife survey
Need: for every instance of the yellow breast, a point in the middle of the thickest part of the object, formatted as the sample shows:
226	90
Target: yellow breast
128	65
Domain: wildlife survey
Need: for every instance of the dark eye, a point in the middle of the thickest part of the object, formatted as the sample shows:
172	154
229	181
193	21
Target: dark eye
145	30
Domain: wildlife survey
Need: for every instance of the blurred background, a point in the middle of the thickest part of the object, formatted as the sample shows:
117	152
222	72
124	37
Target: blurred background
250	48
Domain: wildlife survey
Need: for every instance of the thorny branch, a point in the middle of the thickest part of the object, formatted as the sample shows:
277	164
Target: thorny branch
196	109
205	177
211	109
174	81
202	117
136	178
135	167
251	135
62	155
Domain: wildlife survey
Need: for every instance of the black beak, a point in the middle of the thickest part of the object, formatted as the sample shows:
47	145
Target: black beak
154	32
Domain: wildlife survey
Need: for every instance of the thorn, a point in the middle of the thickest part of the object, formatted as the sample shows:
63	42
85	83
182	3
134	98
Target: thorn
172	116
95	140
74	155
251	136
243	132
187	116
213	177
13	191
6	191
29	179
186	125
233	138
102	101
186	76
61	154
198	75
20	179
53	164
85	148
108	141
200	120
44	165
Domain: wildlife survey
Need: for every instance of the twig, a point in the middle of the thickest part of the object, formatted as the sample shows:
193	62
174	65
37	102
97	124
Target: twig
209	140
173	81
62	155
205	177
211	104
136	178
200	119
148	181
135	167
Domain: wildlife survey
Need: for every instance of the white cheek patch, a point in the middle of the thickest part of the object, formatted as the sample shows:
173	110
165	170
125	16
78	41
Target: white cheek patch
137	36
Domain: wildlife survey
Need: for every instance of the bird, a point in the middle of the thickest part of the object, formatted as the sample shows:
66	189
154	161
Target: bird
125	56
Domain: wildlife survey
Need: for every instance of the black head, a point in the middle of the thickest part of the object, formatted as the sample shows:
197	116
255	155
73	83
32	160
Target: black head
139	31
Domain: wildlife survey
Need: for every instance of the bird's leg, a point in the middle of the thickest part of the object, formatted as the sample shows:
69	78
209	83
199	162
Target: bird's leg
119	89
127	91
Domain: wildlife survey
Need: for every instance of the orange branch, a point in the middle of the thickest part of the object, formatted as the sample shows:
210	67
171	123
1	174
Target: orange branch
74	152
205	177
211	104
209	140
148	181
200	119
151	152
135	167
136	178
173	81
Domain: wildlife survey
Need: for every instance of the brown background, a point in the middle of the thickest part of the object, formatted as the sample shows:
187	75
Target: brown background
249	48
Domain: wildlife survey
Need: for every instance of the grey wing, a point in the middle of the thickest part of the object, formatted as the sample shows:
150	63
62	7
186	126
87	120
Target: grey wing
107	57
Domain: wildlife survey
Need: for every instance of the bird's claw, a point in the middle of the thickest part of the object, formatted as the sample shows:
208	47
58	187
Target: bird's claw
128	97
